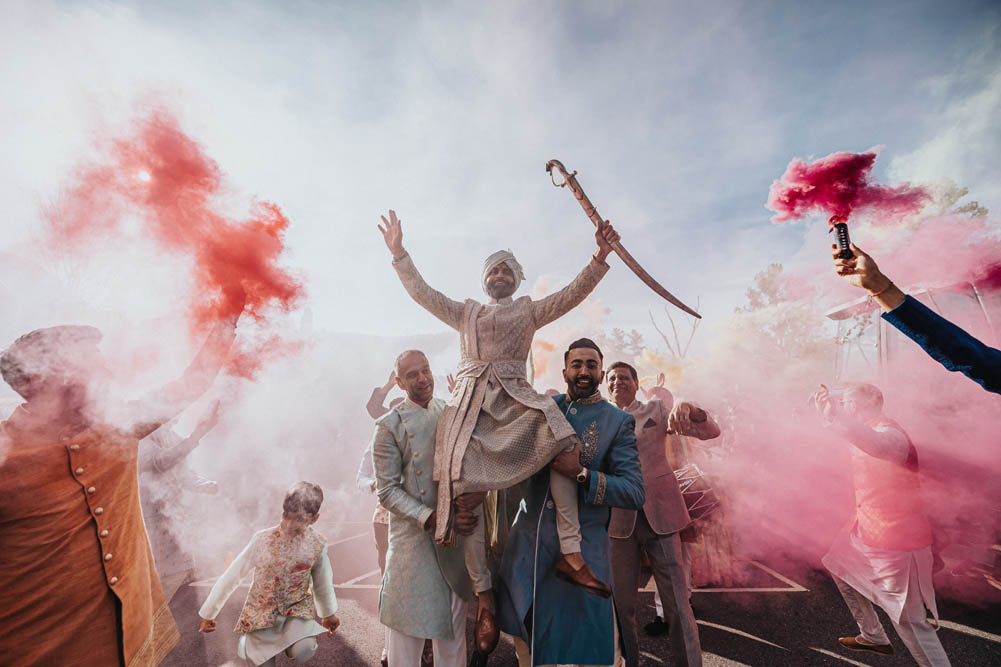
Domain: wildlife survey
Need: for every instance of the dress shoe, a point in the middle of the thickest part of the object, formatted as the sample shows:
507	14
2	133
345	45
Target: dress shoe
854	644
657	627
582	577
486	631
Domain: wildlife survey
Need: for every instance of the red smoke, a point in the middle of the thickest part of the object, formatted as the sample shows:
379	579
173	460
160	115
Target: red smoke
838	184
162	176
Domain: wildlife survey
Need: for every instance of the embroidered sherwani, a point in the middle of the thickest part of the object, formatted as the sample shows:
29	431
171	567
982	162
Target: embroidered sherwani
571	626
496	430
291	577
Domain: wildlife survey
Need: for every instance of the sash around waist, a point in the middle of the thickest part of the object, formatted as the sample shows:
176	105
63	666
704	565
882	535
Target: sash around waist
502	368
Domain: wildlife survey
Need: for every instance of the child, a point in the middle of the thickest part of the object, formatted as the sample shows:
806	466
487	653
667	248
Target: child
278	613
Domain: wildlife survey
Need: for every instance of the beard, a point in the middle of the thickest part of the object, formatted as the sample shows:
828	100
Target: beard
500	290
582	387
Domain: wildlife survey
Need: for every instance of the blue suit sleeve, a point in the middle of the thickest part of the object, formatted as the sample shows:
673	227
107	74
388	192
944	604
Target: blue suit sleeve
620	484
948	344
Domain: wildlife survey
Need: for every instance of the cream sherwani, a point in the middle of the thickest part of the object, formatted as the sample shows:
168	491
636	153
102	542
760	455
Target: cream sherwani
496	430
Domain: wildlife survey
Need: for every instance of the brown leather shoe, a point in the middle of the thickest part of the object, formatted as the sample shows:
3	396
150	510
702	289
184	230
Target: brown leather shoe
583	578
486	631
854	644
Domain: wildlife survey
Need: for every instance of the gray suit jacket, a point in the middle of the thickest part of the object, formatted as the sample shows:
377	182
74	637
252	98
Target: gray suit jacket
665	507
416	588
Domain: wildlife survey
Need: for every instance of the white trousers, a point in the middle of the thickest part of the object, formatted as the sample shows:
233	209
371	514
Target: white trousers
301	651
405	651
914	629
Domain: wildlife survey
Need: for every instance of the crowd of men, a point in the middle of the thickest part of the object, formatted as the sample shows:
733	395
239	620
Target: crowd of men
78	575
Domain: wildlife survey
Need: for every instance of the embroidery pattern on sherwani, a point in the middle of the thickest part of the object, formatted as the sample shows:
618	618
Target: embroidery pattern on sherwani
589	445
282	578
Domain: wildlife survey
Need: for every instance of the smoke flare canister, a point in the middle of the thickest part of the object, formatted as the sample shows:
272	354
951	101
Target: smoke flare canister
839	225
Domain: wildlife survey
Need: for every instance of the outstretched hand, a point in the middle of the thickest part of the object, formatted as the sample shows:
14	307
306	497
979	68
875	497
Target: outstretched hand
205	625
605	235
392	233
861	271
826	405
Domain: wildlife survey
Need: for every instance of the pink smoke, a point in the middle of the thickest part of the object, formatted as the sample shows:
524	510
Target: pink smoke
839	184
162	177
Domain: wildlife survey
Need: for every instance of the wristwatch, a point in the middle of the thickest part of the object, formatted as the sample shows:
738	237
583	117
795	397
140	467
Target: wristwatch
582	475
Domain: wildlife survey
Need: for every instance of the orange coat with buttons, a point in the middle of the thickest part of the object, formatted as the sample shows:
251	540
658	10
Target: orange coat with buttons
76	570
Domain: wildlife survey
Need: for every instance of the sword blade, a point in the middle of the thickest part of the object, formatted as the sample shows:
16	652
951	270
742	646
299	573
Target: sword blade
650	281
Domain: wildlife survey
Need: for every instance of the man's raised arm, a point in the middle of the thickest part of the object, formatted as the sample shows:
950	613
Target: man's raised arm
560	303
447	310
149	413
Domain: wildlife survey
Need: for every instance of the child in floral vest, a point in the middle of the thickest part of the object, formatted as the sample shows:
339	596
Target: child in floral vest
278	613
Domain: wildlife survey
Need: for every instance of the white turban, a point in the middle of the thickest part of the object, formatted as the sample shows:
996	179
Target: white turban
502	257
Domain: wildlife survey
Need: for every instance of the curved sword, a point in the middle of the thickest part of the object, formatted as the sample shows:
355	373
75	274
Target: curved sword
570	180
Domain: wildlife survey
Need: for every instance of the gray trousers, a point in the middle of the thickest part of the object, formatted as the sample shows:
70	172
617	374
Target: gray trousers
666	560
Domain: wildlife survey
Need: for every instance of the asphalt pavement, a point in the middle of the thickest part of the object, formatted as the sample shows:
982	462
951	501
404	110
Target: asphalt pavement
773	617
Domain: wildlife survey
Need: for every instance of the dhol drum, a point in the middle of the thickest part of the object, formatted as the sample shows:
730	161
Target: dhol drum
698	494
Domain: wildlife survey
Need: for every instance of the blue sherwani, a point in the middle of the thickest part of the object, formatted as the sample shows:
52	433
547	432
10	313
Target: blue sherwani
571	625
948	344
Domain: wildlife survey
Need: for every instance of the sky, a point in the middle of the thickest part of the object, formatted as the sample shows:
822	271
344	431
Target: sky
677	117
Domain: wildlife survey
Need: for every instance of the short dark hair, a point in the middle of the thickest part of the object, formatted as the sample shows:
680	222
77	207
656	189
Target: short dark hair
622	364
303	497
579	343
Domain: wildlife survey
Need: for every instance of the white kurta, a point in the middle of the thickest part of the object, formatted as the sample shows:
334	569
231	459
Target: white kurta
882	575
260	645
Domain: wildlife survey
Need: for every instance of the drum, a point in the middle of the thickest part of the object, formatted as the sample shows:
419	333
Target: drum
697	492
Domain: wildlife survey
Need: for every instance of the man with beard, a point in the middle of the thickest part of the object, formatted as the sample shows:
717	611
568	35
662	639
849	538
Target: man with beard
496	430
77	573
884	557
654	529
425	586
553	622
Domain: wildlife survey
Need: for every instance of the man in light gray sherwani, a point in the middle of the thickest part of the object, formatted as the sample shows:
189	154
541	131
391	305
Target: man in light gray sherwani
496	430
425	587
654	529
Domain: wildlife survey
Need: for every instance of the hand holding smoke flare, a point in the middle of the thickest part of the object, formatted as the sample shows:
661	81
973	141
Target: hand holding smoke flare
839	184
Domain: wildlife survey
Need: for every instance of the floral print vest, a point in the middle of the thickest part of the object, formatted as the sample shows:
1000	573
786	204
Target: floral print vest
281	585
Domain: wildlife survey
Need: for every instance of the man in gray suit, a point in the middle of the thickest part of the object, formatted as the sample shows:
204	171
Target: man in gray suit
654	529
425	587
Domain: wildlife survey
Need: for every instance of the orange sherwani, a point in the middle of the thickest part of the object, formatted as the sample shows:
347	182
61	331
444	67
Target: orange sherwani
76	570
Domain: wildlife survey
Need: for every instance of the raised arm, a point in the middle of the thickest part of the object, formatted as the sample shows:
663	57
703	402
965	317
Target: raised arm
621	484
944	342
436	303
883	443
948	344
558	304
157	408
388	461
689	419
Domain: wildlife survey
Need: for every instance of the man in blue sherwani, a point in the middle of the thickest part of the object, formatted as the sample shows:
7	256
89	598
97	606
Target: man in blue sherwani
557	622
